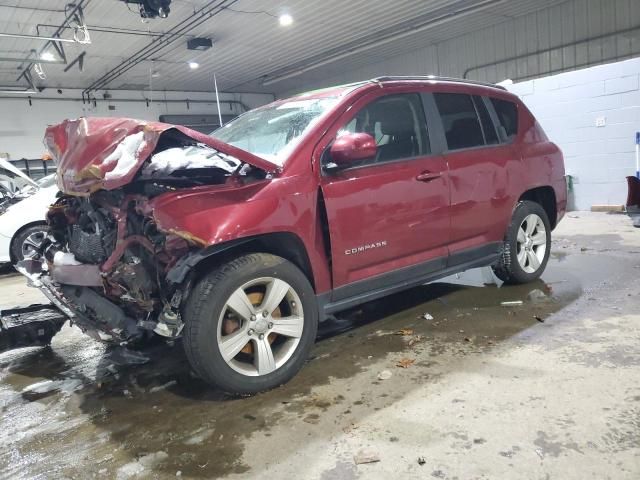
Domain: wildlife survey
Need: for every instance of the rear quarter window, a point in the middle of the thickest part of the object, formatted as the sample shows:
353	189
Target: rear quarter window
507	117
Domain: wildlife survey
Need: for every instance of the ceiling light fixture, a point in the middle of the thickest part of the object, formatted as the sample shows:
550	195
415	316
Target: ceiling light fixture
285	20
47	56
193	65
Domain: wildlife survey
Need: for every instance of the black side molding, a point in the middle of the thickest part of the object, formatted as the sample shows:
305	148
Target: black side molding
364	291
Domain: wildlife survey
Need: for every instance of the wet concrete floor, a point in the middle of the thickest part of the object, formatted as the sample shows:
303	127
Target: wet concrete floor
442	381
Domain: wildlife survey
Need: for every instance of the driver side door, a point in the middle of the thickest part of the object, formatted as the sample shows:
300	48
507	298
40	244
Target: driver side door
389	215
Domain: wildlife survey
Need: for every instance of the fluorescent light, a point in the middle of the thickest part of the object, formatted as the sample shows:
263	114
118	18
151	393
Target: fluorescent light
193	65
47	56
285	20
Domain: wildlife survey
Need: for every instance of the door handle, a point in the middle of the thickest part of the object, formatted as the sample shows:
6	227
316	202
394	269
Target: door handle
427	176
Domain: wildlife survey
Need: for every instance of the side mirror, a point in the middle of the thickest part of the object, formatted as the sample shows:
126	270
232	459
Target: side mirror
352	147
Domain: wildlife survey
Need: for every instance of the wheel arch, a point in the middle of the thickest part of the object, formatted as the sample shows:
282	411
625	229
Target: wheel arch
545	196
287	245
19	231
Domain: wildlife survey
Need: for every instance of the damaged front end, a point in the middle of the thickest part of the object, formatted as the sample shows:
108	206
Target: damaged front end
107	262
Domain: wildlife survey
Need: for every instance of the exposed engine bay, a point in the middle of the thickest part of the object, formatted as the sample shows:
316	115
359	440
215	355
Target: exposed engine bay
106	260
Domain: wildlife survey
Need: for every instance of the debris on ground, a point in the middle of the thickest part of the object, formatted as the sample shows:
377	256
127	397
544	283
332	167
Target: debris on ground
141	466
467	339
421	461
45	387
415	339
123	356
405	362
163	387
366	456
427	316
383	333
537	295
541	320
512	303
405	332
384	375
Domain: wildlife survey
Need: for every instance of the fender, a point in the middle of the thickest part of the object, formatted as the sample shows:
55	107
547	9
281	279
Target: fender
181	269
224	216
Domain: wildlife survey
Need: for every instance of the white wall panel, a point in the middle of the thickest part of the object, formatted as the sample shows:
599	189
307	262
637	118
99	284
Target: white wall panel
567	106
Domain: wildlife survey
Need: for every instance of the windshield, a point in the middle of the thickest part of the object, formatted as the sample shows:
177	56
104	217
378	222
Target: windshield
272	132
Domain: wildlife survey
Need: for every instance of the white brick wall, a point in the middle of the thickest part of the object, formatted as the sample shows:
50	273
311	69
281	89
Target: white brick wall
567	105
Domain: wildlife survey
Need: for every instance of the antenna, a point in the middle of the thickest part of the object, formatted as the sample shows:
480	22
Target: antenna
215	83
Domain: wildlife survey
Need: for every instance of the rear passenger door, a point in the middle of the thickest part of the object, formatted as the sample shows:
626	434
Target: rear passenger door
478	156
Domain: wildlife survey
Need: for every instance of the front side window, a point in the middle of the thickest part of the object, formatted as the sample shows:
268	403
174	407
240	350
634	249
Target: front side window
460	120
397	122
272	132
507	116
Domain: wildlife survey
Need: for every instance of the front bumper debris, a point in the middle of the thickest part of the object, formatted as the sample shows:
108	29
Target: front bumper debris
31	326
79	302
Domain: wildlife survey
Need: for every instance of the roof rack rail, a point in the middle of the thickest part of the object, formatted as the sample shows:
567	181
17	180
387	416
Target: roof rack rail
436	78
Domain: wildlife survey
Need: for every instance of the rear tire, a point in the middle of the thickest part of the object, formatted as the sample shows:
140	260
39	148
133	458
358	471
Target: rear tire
250	323
527	245
26	241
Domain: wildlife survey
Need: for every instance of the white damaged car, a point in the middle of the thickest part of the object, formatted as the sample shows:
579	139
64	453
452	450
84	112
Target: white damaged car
23	206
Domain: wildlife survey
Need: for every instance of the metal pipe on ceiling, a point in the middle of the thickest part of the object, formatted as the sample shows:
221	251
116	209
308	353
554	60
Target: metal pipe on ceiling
270	79
193	21
32	9
26	59
26	91
115	30
129	100
36	37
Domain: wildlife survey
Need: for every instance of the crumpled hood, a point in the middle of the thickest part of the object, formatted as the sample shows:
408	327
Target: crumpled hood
95	153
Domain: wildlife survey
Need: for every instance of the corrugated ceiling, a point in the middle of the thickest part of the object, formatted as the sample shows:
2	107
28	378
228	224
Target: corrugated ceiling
247	46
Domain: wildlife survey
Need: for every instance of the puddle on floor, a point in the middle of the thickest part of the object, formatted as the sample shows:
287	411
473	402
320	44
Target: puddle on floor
79	408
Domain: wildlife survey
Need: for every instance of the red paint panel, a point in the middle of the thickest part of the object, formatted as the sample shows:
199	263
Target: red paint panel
382	217
483	192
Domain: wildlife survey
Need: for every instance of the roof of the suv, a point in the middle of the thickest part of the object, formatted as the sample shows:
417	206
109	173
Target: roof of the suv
340	90
433	78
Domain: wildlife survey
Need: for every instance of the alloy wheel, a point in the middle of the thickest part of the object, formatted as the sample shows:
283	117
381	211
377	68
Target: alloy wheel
31	246
531	243
260	326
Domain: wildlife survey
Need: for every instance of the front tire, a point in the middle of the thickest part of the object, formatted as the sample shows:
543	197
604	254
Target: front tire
250	323
527	245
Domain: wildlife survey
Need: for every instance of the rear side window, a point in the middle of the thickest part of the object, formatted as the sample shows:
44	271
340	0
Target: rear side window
460	120
507	116
398	124
488	128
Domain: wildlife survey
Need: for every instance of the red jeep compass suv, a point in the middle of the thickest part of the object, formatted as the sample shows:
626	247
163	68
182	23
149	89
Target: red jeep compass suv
242	241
